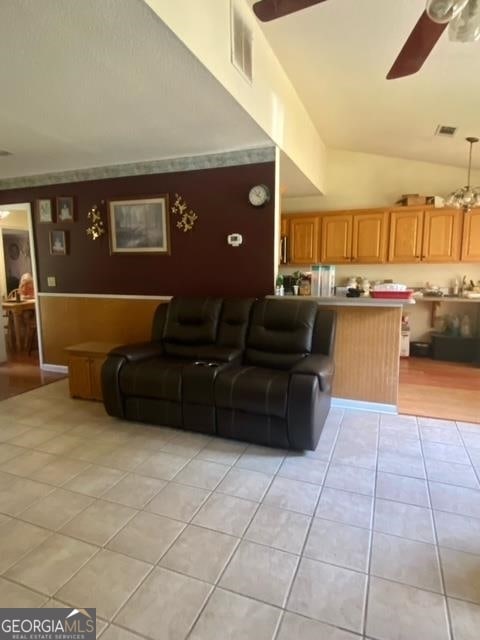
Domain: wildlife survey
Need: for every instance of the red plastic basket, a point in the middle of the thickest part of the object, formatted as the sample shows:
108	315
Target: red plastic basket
399	295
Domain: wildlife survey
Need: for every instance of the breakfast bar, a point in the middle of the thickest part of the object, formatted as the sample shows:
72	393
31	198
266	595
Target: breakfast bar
367	350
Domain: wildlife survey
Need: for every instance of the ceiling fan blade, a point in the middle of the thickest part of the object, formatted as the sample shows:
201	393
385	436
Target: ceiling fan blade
267	10
416	49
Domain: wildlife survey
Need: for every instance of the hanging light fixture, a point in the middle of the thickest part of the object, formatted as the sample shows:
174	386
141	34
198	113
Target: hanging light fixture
467	197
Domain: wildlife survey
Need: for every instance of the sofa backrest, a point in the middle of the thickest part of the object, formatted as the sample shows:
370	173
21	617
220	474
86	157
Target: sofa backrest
158	324
190	323
234	319
280	332
323	340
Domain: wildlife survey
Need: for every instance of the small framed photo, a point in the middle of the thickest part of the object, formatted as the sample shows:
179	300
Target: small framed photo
44	210
65	209
58	243
139	225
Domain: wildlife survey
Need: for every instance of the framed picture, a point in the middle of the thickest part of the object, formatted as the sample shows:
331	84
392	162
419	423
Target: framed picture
44	210
65	209
58	243
139	225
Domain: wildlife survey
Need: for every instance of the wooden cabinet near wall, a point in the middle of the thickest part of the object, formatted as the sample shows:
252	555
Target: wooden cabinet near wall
402	235
85	362
419	235
471	236
358	237
303	239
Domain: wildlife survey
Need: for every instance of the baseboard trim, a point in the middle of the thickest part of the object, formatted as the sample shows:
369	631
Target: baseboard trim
361	405
55	368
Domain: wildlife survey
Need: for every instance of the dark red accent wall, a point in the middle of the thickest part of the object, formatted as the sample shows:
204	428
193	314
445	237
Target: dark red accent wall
200	261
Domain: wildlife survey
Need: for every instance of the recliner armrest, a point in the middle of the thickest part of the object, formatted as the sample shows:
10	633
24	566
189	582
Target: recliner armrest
138	351
318	365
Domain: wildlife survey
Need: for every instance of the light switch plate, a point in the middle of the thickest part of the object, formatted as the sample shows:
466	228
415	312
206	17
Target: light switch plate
51	281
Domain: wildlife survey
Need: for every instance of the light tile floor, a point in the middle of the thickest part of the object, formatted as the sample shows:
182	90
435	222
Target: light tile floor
174	535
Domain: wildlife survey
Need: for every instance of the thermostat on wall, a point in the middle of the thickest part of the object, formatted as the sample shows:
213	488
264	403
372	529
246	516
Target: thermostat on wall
235	239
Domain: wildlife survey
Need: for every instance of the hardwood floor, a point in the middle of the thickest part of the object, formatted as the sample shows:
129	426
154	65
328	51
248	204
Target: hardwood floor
22	373
439	389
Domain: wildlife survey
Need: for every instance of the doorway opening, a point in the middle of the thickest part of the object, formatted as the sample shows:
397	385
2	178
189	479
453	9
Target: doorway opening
20	344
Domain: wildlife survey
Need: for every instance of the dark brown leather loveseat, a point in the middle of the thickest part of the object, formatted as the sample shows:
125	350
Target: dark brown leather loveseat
256	370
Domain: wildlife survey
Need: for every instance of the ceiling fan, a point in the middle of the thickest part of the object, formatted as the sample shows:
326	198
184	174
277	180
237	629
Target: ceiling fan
461	16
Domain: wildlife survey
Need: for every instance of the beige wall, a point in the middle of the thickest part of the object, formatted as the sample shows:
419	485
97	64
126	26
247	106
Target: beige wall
357	180
271	100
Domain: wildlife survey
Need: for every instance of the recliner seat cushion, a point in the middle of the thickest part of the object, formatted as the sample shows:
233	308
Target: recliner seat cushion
253	390
154	378
280	333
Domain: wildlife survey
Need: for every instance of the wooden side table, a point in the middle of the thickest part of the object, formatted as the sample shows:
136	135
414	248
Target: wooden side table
85	362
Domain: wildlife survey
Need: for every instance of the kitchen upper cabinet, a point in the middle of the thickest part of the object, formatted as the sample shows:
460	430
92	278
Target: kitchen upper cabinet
336	238
369	237
358	236
442	229
471	236
405	236
303	239
431	235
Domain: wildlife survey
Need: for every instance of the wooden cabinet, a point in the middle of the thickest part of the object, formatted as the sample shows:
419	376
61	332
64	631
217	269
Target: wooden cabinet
336	238
84	368
284	226
358	237
471	236
405	241
442	230
369	237
419	235
303	239
403	235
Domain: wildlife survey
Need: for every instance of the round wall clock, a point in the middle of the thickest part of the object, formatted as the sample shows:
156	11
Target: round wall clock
13	251
259	195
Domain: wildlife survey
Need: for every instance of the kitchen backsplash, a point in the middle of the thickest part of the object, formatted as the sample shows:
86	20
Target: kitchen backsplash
413	275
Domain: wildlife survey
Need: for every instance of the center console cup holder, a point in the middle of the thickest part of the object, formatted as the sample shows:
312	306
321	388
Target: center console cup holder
202	363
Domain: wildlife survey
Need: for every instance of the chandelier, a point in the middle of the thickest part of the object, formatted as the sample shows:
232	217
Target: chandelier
467	197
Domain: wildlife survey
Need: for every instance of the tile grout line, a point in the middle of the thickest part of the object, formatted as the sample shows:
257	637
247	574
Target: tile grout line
438	556
309	528
475	470
241	539
370	550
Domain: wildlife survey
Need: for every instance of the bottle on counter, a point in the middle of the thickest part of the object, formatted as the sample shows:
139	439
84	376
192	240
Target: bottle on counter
456	287
279	289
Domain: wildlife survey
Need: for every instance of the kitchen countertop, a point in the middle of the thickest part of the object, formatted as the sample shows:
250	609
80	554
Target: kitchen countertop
343	301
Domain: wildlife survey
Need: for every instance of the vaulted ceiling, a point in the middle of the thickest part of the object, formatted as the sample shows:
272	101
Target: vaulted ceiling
337	55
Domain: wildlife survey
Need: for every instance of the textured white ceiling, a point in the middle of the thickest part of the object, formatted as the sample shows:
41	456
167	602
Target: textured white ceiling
87	83
337	55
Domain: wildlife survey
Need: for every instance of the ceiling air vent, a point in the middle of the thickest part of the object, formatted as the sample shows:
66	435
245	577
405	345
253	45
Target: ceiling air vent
4	153
444	130
242	42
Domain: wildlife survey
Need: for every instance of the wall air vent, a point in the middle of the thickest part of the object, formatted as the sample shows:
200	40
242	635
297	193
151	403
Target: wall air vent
444	130
4	153
241	42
